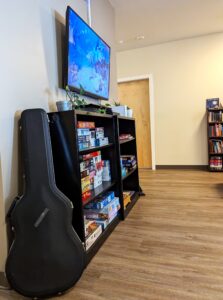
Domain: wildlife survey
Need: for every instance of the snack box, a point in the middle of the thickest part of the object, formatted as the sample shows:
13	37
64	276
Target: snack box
87	165
90	155
86	196
101	202
126	201
92	174
92	142
85	173
83	132
99	133
85	184
89	226
124	172
97	179
106	163
106	174
98	165
96	159
128	157
125	136
84	138
102	223
101	141
81	124
128	163
83	146
92	134
128	193
127	197
93	237
105	223
105	213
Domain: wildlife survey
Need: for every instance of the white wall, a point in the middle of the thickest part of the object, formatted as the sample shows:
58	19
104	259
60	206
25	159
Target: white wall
29	73
185	73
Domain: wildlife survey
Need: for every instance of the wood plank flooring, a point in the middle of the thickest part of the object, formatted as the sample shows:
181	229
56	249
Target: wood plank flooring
170	247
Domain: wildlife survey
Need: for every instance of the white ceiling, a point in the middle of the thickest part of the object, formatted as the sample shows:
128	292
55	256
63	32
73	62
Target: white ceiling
165	20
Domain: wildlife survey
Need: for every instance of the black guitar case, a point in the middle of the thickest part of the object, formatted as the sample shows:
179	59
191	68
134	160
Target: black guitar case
46	257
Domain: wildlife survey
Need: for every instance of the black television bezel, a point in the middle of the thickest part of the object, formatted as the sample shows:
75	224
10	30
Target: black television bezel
76	89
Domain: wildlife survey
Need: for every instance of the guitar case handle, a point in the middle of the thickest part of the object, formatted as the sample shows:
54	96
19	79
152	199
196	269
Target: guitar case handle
41	217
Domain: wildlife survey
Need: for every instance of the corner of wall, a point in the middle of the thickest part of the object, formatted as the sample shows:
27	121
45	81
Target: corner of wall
3	248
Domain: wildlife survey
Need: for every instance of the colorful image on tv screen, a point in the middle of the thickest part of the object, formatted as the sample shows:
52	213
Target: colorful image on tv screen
88	59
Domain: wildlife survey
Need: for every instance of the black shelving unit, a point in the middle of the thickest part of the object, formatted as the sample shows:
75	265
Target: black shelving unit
212	138
66	155
129	182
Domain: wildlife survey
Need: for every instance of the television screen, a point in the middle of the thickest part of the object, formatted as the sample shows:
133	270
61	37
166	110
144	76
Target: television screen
88	58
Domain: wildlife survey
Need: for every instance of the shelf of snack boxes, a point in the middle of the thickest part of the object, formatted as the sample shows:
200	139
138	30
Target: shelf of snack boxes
125	138
100	218
91	138
100	214
100	239
98	191
128	165
92	149
100	205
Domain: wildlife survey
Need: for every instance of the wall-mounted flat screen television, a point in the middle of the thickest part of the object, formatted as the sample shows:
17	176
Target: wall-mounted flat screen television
88	58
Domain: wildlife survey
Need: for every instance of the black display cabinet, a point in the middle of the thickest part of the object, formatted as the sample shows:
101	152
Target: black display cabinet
66	156
130	181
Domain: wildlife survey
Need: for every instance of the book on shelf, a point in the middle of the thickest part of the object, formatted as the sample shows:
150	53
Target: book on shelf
215	163
215	116
215	130
216	146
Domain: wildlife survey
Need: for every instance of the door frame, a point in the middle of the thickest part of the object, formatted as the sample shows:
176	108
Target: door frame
152	110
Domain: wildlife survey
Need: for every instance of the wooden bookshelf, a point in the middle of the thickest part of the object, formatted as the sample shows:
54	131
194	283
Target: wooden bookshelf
63	129
215	139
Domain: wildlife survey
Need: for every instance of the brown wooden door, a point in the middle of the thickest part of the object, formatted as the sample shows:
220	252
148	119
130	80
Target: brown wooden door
135	94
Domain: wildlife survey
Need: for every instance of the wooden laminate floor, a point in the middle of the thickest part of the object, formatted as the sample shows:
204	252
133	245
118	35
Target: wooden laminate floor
170	247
